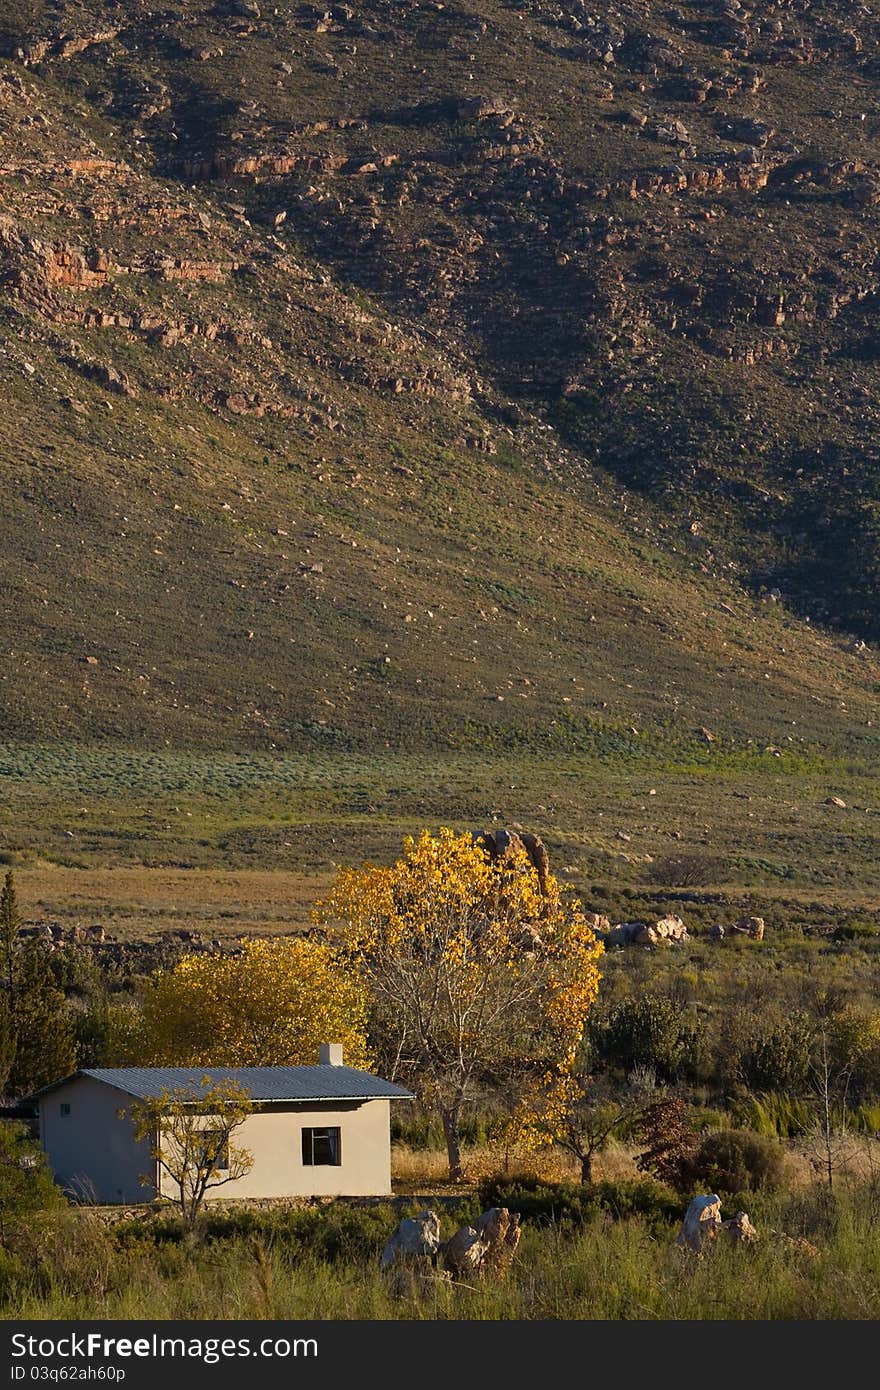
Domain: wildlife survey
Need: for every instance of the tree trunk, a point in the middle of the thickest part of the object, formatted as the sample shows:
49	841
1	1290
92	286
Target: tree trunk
450	1117
586	1168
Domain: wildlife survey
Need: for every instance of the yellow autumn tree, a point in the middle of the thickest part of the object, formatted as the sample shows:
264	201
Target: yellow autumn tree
271	1005
476	970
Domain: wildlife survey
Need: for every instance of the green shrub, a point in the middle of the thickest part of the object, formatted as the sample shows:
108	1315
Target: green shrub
855	931
418	1131
331	1231
704	1117
737	1160
26	1184
572	1205
649	1031
426	1131
779	1058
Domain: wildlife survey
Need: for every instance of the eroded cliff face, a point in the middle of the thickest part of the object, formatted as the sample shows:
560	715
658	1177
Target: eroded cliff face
570	191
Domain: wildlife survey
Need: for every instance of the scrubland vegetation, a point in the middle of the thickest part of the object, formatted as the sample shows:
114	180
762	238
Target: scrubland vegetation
601	1252
750	1068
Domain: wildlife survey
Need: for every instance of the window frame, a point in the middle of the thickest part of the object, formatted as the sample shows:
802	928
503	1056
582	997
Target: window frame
329	1134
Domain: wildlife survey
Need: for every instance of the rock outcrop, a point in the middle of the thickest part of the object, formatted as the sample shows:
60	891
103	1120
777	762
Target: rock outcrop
668	930
508	846
752	927
487	1246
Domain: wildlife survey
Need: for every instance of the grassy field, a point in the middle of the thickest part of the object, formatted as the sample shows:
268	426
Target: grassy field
230	843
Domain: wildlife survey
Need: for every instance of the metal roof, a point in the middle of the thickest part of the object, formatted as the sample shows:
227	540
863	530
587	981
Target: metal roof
262	1083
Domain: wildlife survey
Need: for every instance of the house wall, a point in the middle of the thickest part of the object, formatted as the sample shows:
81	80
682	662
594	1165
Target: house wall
93	1151
274	1138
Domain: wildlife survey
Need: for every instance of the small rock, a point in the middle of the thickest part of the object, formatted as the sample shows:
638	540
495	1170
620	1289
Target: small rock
672	132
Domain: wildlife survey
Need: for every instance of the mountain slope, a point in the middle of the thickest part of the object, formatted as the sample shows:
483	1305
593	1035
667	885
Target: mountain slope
326	334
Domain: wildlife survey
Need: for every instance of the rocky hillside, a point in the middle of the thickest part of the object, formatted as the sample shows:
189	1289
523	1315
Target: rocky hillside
416	372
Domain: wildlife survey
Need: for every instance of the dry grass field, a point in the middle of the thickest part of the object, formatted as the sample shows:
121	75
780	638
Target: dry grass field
138	904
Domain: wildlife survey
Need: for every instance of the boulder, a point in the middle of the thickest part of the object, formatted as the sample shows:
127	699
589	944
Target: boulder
750	132
598	923
504	1240
537	852
667	929
671	928
702	1221
750	926
464	1252
625	933
739	1229
481	108
487	1245
672	132
716	932
492	1224
415	1241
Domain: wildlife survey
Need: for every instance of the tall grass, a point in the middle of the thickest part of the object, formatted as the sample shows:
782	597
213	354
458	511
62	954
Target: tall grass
790	1117
774	1113
603	1268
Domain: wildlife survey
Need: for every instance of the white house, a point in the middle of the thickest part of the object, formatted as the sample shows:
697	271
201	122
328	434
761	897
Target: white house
314	1131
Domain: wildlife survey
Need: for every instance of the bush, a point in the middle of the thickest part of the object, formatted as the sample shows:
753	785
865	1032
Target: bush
26	1183
867	1118
572	1205
737	1160
855	931
421	1131
425	1131
687	870
651	1031
779	1058
331	1231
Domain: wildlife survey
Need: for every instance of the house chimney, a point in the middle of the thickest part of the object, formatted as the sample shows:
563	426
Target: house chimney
331	1055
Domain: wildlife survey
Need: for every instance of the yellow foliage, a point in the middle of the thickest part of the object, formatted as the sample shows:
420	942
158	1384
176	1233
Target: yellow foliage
272	1005
473	966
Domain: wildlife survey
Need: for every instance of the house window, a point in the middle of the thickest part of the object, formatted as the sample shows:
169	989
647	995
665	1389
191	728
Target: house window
215	1151
321	1146
65	1109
